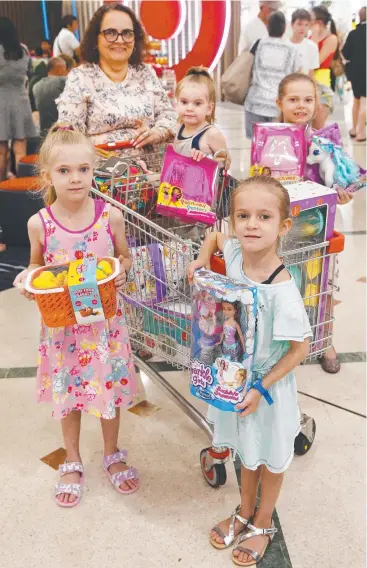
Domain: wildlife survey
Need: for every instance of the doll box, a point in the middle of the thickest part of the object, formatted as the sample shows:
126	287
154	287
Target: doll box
188	189
313	210
279	150
222	339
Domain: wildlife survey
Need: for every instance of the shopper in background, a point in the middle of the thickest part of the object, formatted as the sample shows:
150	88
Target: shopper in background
47	90
325	36
306	48
257	28
16	122
114	96
275	58
65	41
38	58
354	52
46	48
70	62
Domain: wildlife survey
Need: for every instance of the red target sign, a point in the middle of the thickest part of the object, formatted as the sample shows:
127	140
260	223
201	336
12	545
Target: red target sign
165	19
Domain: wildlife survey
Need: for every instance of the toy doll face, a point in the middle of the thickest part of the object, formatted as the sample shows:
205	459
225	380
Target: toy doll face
266	171
176	194
299	102
229	310
240	376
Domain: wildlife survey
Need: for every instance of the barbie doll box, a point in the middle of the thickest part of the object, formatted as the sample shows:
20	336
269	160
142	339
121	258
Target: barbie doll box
223	325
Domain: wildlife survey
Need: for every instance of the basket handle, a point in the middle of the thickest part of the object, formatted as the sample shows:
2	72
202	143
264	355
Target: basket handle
336	243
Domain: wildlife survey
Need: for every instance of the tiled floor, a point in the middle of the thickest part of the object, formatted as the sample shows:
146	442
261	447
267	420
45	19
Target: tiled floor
321	508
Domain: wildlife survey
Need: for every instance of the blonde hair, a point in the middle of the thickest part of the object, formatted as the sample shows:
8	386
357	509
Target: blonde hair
200	76
294	78
269	184
58	135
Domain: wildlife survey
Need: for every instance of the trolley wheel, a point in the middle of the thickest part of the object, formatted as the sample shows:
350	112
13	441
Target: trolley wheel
302	444
216	475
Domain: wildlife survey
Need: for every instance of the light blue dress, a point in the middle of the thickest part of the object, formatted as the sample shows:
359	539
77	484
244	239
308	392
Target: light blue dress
266	436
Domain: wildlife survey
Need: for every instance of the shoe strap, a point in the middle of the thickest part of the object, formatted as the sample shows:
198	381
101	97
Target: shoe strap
71	467
117	457
121	476
255	531
235	515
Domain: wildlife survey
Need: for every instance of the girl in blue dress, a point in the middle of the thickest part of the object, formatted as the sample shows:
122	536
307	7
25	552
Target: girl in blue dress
263	430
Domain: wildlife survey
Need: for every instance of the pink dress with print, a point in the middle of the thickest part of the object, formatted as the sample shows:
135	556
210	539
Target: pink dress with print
84	367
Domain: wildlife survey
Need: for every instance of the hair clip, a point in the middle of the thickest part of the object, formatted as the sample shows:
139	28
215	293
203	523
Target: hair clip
202	72
62	128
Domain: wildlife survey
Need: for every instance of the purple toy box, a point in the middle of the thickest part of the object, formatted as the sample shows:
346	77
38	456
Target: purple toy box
313	209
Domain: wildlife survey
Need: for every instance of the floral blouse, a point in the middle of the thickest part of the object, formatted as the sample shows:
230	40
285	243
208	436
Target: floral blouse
108	111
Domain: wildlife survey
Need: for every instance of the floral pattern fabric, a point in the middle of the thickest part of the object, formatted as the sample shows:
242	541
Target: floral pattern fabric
84	367
108	111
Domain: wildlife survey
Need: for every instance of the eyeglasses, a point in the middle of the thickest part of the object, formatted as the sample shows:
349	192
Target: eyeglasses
112	35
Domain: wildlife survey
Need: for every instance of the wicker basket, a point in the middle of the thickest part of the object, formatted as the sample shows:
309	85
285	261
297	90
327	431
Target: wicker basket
55	304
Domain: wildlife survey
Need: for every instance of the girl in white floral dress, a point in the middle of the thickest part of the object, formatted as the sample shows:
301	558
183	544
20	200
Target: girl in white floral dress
82	368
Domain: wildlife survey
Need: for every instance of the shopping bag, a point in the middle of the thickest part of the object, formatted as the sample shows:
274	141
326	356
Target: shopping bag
236	79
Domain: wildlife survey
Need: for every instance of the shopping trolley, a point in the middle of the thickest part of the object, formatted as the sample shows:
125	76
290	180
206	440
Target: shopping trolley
158	296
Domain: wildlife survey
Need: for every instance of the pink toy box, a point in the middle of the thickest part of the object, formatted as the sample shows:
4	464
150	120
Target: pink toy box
188	190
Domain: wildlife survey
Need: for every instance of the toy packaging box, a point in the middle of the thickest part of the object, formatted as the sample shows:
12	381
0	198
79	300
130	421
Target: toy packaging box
279	150
222	339
313	210
188	190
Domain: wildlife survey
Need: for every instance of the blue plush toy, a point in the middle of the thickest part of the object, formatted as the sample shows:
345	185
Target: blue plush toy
335	166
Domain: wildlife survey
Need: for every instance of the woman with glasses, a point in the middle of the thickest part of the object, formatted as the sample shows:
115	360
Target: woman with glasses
113	96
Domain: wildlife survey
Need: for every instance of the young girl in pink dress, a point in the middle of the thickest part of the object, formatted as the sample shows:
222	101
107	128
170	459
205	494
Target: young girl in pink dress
82	368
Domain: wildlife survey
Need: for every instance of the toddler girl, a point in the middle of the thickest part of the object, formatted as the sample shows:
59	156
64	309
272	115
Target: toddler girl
82	368
263	430
197	135
297	102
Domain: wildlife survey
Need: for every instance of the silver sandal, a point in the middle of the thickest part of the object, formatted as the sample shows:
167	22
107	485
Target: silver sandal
230	537
250	533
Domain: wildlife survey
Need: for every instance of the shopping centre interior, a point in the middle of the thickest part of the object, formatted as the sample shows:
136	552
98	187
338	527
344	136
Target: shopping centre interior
320	514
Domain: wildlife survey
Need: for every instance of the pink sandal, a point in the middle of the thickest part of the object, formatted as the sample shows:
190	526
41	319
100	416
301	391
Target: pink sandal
75	489
120	476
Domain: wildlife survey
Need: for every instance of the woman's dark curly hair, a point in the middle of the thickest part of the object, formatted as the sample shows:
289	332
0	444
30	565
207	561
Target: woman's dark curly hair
89	44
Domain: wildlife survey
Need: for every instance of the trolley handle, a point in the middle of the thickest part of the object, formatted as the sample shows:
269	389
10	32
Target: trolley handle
336	243
115	145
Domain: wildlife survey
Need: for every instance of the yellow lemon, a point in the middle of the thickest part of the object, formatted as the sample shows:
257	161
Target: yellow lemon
312	290
105	266
100	274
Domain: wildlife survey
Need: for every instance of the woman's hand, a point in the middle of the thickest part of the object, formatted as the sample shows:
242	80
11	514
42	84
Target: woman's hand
195	265
197	155
250	403
343	196
145	135
120	279
19	283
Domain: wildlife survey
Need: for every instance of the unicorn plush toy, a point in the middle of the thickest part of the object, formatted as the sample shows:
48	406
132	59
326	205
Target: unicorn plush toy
335	166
